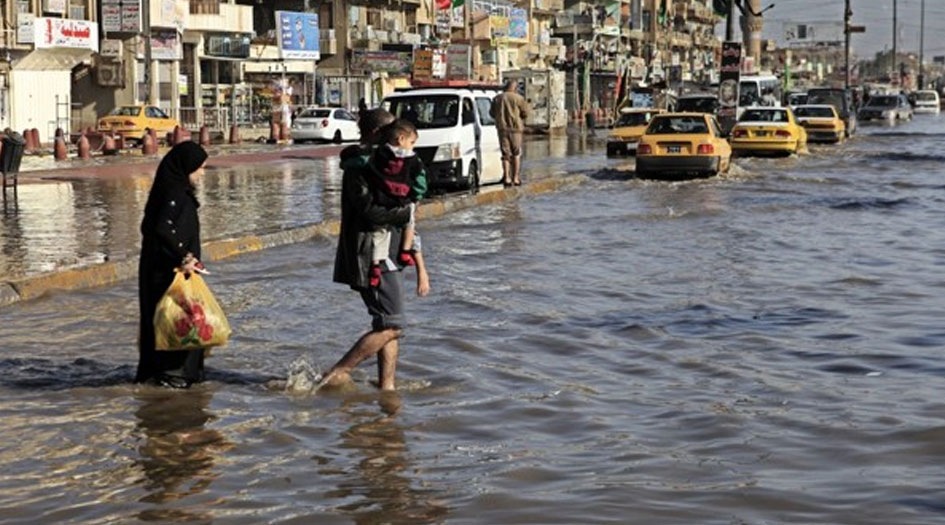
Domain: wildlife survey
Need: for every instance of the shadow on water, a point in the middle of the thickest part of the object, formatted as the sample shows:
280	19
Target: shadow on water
841	203
901	156
47	374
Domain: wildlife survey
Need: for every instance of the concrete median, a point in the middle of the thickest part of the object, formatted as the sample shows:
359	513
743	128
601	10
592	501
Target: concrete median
32	287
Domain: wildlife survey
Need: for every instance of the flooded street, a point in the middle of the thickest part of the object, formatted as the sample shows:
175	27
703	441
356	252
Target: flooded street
763	347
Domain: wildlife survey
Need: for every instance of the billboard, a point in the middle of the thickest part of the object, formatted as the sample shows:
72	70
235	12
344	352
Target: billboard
458	62
393	62
802	34
728	84
65	32
518	25
297	35
166	45
121	16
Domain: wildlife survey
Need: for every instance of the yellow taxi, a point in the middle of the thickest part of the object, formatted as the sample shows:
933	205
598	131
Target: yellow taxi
679	145
628	129
768	131
822	122
131	121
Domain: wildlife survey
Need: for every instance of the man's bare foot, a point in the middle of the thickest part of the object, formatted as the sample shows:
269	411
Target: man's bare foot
334	379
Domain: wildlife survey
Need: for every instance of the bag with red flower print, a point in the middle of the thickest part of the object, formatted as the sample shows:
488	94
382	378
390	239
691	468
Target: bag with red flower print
189	317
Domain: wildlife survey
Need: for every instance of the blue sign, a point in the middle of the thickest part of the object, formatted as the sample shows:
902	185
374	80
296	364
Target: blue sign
297	35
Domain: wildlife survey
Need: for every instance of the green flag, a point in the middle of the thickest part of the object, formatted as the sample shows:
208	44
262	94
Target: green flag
457	3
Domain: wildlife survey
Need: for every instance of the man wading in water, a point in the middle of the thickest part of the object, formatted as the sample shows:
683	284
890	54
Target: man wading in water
360	216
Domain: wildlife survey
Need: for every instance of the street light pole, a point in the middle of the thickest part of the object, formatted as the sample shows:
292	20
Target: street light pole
146	33
895	39
730	22
847	15
922	48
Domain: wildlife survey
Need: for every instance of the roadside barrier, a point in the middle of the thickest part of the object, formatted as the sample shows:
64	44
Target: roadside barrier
33	287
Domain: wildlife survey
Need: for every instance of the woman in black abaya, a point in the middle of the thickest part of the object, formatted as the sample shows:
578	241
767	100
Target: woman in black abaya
170	239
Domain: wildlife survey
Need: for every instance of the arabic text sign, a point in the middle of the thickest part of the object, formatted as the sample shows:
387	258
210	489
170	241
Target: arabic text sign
394	62
64	32
166	45
297	35
458	60
423	64
121	16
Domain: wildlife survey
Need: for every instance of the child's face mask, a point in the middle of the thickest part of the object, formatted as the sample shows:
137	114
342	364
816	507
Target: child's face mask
399	152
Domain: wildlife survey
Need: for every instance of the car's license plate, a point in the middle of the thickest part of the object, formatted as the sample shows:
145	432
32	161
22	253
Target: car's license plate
673	149
761	133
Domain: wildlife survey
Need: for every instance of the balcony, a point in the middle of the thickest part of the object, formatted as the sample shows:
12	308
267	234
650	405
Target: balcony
232	18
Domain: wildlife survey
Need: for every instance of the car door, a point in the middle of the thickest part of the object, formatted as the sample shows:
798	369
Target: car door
350	124
488	141
156	119
468	134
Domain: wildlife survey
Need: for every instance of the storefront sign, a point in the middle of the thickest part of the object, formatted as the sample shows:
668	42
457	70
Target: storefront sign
229	45
518	25
423	64
173	14
166	45
459	16
297	35
728	83
64	32
111	48
54	6
121	16
458	62
444	21
25	34
393	62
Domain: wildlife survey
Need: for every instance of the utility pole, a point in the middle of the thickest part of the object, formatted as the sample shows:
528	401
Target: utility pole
730	22
146	33
922	48
847	15
895	69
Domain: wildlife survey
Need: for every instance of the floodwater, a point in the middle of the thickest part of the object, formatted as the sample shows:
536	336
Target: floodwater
759	348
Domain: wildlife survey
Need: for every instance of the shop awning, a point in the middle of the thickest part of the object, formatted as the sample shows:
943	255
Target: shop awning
54	59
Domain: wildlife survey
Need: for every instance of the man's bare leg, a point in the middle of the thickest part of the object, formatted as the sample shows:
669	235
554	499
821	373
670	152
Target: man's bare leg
506	172
516	168
387	365
369	344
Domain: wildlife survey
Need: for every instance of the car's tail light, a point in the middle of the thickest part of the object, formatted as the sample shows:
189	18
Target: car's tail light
739	133
644	149
782	133
705	149
128	123
325	123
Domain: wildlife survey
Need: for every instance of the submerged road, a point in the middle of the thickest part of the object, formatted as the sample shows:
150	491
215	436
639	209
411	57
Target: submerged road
758	348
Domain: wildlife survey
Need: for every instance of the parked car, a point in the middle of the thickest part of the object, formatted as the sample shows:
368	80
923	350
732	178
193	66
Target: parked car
839	98
458	141
334	124
679	145
927	101
822	122
768	131
130	122
886	108
796	99
698	103
627	131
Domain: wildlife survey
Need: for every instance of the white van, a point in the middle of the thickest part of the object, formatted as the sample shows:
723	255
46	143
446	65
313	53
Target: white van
927	101
458	142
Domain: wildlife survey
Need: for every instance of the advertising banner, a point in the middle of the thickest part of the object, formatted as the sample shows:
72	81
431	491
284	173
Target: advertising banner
518	24
54	6
65	32
423	64
173	14
121	16
297	35
393	62
25	34
458	62
166	45
728	84
444	22
500	29
611	18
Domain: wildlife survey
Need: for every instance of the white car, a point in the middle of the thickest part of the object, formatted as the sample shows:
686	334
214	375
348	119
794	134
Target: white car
927	101
334	124
458	141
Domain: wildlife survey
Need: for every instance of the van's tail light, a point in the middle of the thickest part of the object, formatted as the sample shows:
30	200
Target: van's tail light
325	123
644	149
706	149
783	133
739	133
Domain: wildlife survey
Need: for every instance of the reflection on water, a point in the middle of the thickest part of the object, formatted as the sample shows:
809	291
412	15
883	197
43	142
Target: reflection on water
177	452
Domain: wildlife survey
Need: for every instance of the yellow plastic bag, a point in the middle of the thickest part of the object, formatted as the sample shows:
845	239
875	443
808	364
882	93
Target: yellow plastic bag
189	317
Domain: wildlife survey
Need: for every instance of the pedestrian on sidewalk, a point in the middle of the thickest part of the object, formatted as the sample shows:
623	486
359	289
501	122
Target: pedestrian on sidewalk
170	240
360	216
510	111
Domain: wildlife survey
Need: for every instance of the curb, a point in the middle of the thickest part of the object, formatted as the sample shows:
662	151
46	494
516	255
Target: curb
33	287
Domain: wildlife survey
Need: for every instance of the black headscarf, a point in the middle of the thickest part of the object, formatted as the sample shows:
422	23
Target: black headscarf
173	177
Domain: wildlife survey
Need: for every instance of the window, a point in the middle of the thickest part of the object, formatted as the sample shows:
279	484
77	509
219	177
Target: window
154	112
762	115
677	125
485	111
341	114
426	111
204	7
315	113
126	111
823	112
469	115
633	119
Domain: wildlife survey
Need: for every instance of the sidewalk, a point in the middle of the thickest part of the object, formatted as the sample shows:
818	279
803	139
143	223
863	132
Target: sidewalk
36	168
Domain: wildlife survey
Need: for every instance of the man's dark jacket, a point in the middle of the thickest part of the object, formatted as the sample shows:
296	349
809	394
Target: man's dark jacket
360	215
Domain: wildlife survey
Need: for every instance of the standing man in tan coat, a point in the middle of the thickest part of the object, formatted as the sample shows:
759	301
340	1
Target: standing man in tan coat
510	111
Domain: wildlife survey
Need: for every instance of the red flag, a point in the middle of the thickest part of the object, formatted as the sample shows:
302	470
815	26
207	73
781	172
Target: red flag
444	4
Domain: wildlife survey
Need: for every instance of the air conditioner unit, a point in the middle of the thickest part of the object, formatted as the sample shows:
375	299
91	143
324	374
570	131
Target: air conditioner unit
110	74
490	56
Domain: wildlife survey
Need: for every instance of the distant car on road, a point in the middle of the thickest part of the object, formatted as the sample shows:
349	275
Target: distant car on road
886	108
927	101
698	103
678	145
839	98
627	131
822	122
796	99
130	122
324	124
768	131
